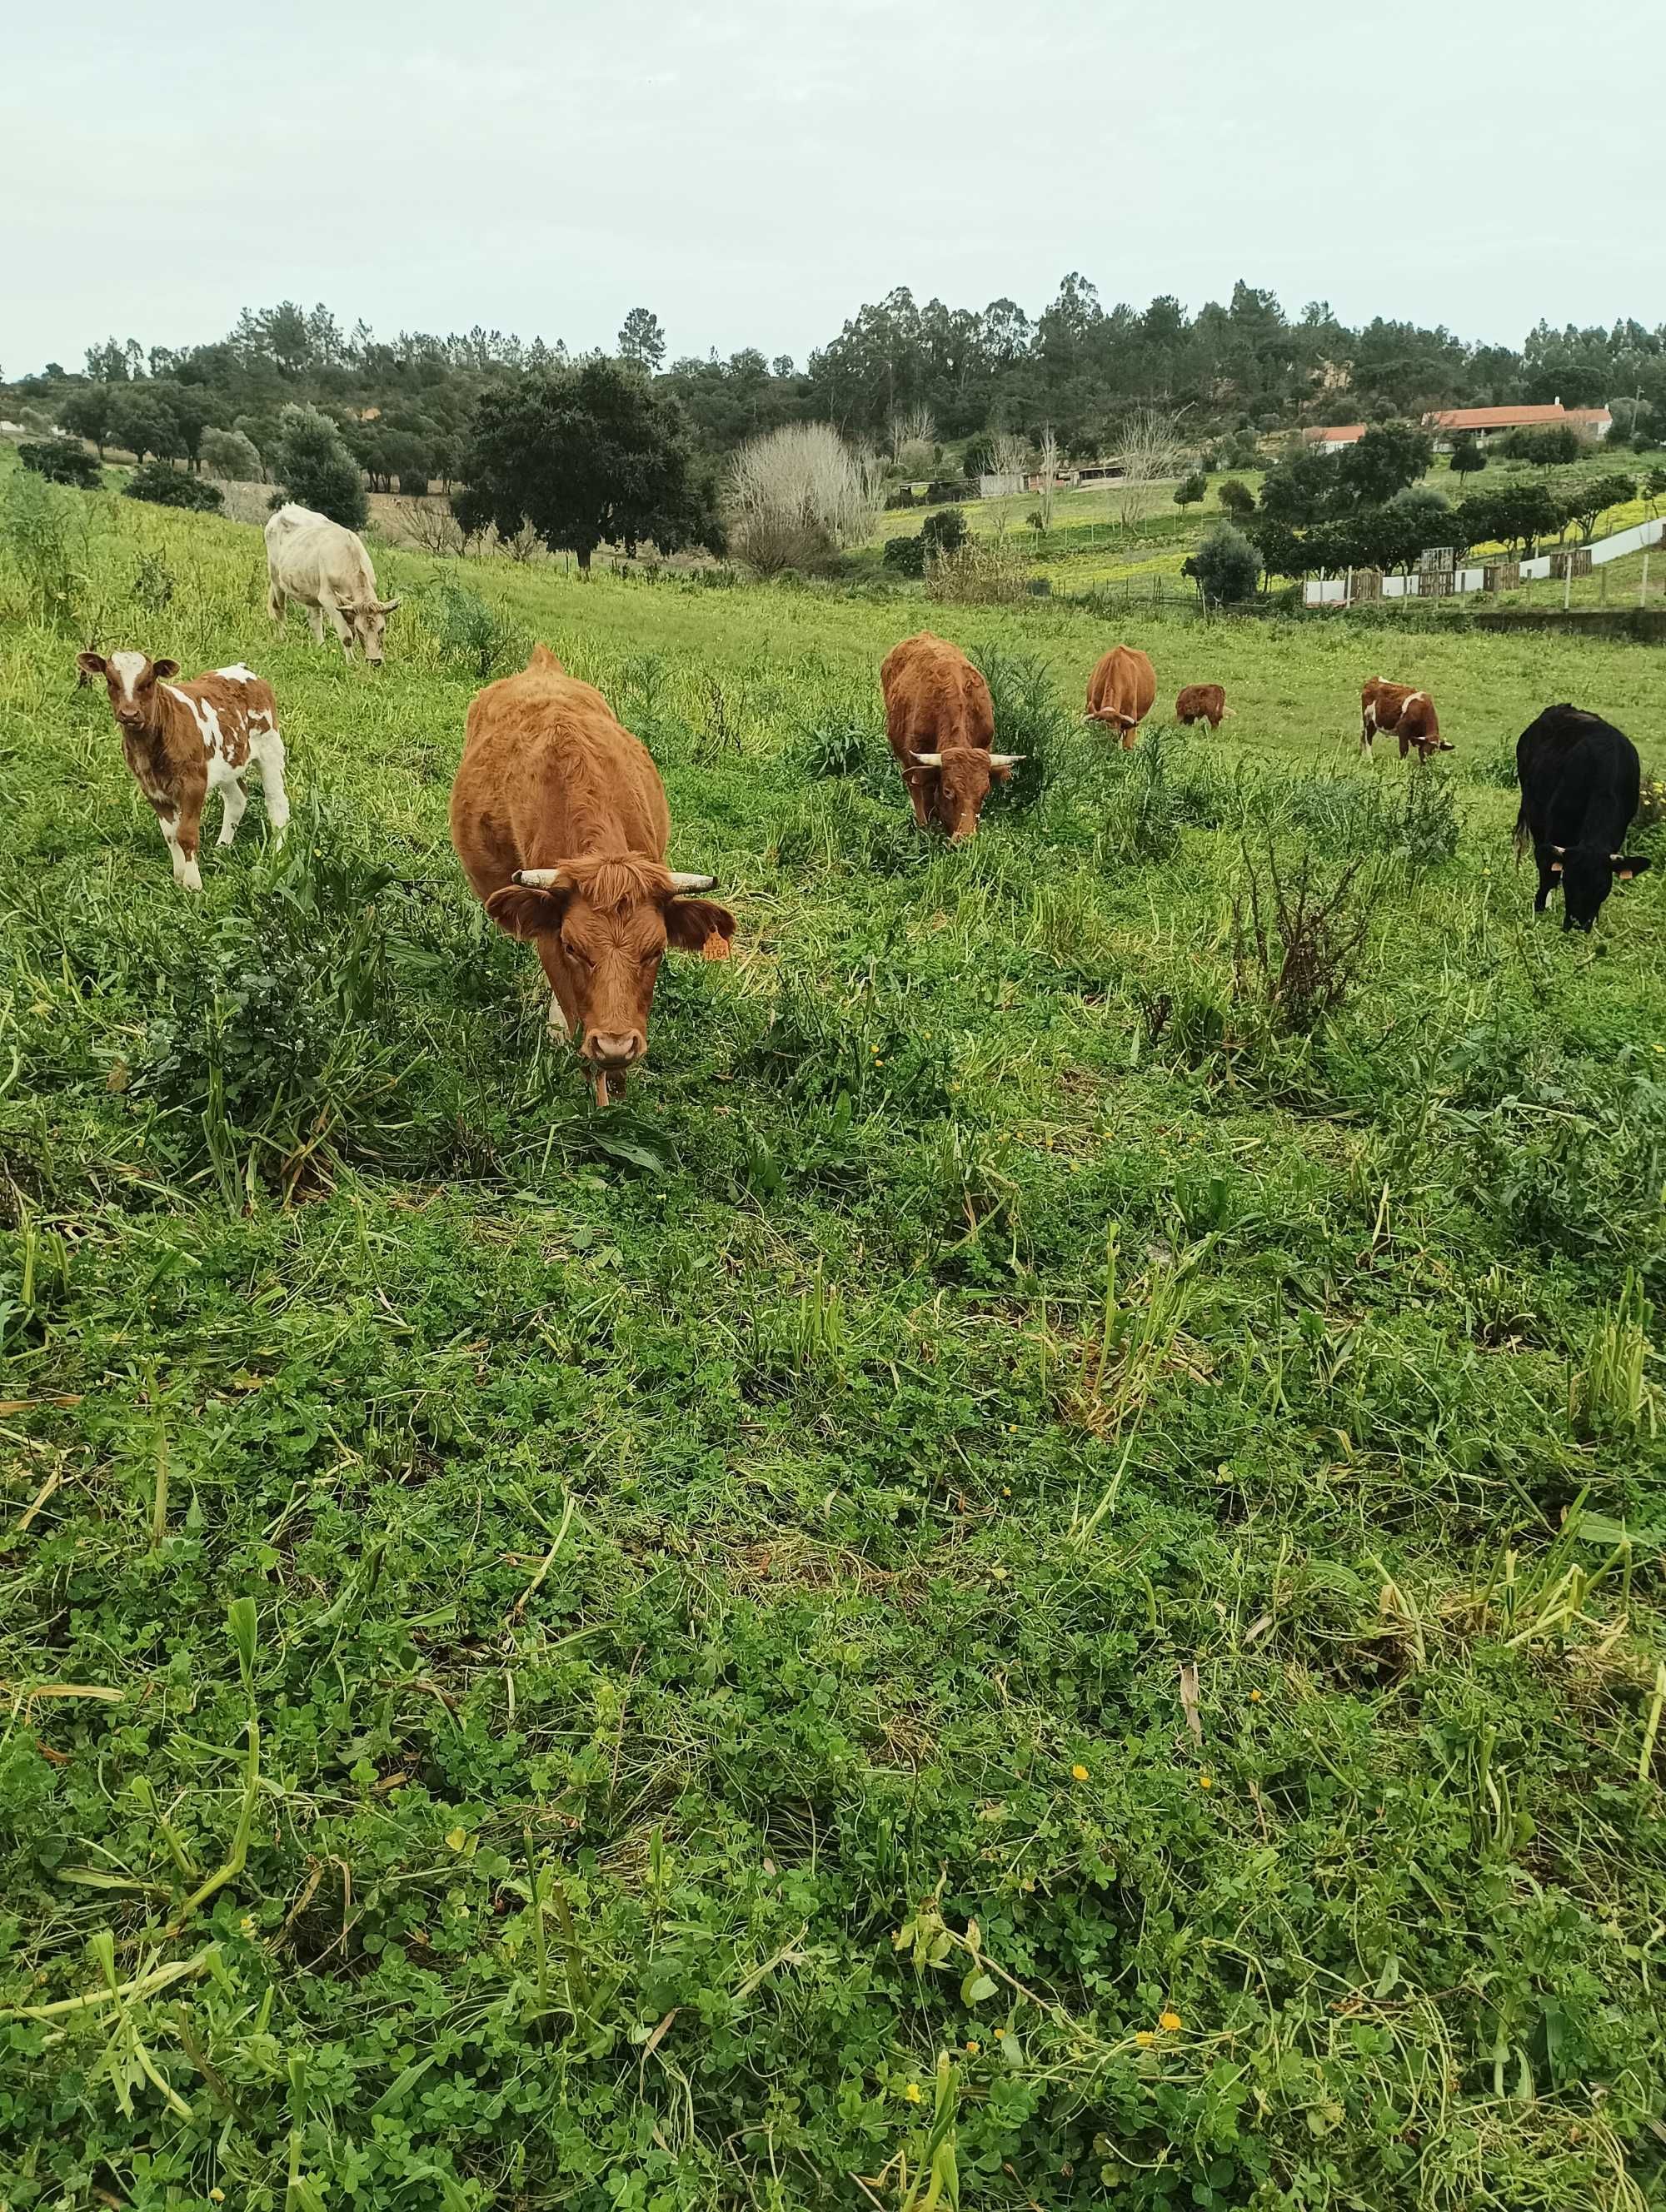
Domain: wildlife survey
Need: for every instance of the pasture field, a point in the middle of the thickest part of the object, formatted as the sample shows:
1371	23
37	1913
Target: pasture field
1033	1579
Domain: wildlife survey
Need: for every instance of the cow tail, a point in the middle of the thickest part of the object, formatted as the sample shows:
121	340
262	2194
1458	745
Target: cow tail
1521	830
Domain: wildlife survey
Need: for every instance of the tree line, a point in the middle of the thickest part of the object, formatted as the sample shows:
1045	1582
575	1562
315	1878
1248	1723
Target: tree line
404	405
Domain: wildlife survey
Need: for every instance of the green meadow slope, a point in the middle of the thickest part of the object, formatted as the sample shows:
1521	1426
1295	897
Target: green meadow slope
1037	1571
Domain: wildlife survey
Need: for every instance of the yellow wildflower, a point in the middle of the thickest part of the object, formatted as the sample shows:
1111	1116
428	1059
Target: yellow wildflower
1144	2039
1206	1781
912	2093
973	2046
1254	1697
1171	2021
1079	1773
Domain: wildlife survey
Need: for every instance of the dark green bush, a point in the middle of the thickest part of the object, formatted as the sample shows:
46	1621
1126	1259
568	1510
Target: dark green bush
904	556
163	485
63	460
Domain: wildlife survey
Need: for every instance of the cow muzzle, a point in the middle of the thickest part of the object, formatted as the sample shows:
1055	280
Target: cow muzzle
614	1048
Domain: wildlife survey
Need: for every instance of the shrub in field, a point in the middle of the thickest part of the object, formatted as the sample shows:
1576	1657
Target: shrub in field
1145	797
943	532
1031	719
471	633
43	532
163	485
63	460
798	495
1413	818
904	556
1297	943
231	455
153	583
985	572
314	468
1235	499
1192	490
1226	568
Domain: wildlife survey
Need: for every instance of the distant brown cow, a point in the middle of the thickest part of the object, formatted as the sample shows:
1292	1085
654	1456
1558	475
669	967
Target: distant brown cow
559	818
183	741
1400	712
1202	702
1120	691
941	724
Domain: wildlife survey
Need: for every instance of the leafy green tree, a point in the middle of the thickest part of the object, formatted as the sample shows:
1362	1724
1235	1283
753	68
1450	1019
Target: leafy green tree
1514	516
231	455
588	455
1301	489
1543	448
1585	499
1467	459
1226	568
1386	461
143	424
641	339
905	556
314	467
107	363
87	412
1192	490
63	460
1236	499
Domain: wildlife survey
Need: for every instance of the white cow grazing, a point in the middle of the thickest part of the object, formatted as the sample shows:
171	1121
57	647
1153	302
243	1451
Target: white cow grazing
326	571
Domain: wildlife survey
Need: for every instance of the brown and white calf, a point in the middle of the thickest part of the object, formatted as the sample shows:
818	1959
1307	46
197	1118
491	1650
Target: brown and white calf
1401	711
183	741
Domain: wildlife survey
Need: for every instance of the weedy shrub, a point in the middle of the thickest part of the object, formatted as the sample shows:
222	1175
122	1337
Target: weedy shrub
1413	817
986	571
1031	719
472	635
1297	943
44	533
1145	798
153	583
282	1044
1611	1394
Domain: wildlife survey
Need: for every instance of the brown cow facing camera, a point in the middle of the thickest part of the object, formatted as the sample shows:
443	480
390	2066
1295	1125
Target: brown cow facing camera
1121	691
1202	702
941	724
560	820
1399	711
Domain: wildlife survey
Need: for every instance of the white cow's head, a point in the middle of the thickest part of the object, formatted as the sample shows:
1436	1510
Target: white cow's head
367	618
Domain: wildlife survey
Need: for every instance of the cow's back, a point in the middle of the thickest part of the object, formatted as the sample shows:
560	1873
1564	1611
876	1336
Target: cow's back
548	775
310	554
1580	779
934	697
1124	683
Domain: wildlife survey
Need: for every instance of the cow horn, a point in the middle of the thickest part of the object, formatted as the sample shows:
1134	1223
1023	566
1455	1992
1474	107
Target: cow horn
1005	760
1560	851
693	882
386	606
928	760
543	879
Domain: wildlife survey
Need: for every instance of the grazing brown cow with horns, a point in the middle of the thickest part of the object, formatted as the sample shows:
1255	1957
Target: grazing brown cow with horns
1120	691
560	820
1402	712
1202	702
941	724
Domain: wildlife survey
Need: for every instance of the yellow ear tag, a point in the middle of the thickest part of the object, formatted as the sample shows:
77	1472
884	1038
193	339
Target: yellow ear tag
716	946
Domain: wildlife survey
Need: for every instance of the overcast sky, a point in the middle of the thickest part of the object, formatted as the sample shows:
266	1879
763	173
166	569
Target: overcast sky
754	169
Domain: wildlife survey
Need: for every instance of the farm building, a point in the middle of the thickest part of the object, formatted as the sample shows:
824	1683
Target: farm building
1333	438
1485	424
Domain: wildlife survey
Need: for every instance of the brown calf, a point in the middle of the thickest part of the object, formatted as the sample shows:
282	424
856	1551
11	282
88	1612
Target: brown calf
1120	691
184	740
1400	712
1202	702
941	724
560	820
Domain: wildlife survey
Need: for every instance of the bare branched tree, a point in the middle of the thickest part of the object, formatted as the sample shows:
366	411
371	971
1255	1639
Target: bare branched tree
1008	452
1049	471
1147	451
911	427
799	494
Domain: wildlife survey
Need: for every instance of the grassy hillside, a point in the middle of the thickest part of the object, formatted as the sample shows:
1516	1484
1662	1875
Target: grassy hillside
1038	1556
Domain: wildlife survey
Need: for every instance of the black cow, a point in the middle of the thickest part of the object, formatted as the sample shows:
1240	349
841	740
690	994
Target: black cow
1580	778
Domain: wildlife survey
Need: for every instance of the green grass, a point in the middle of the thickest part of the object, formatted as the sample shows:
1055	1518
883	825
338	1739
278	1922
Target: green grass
750	1650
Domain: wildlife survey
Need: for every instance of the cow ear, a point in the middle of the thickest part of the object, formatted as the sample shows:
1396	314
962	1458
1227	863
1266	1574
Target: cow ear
520	911
697	925
91	664
1627	864
163	669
